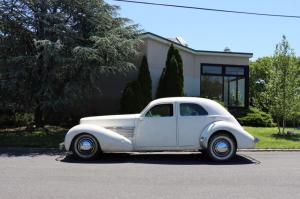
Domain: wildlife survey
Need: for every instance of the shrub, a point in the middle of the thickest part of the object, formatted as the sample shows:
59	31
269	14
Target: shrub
132	100
145	82
18	119
253	117
137	94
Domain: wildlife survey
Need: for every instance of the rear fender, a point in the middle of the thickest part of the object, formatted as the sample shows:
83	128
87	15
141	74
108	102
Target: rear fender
244	139
109	140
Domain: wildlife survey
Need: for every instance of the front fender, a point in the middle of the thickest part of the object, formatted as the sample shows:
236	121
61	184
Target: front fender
109	140
243	138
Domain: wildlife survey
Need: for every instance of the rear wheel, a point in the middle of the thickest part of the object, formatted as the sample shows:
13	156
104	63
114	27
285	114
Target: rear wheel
86	147
221	147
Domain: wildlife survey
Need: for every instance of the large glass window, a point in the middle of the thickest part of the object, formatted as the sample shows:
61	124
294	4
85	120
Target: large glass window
234	91
188	109
224	84
162	110
234	70
212	87
211	69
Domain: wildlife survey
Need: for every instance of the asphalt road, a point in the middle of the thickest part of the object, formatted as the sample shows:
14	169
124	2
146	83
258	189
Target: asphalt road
44	174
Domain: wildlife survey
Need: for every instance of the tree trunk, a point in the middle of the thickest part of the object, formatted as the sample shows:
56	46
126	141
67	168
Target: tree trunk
38	117
283	125
278	126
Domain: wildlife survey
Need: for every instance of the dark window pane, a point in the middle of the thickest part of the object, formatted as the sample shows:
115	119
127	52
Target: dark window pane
241	92
212	70
211	87
163	110
234	91
234	70
187	109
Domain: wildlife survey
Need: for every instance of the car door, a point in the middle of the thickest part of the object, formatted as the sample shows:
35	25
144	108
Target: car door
192	119
157	128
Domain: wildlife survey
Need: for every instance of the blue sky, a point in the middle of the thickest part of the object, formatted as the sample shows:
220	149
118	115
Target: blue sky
204	30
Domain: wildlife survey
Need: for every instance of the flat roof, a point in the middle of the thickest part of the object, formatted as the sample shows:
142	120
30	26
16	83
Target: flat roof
204	52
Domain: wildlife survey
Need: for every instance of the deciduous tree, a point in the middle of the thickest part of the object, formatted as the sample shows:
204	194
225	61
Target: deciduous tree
283	84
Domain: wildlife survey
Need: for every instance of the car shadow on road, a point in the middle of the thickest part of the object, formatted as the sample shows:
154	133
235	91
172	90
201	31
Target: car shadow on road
167	159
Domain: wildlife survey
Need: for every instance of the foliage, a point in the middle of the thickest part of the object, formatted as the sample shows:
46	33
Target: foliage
55	51
274	85
137	94
259	75
18	119
171	81
253	117
145	82
282	88
132	98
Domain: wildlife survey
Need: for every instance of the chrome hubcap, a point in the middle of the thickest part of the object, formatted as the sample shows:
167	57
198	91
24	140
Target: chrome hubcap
85	145
221	147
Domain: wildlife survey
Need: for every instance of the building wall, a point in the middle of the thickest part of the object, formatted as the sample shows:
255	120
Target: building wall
157	53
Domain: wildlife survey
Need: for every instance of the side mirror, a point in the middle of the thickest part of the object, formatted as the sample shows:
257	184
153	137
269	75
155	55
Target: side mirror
141	118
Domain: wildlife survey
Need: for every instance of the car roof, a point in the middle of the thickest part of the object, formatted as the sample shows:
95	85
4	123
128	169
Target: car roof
212	107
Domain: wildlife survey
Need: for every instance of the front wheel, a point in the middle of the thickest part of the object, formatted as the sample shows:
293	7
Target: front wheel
221	147
86	147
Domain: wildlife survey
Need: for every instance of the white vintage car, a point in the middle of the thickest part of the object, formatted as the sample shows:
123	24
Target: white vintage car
167	124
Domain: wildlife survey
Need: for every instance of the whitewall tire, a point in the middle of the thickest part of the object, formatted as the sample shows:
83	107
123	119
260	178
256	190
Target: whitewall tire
86	147
221	147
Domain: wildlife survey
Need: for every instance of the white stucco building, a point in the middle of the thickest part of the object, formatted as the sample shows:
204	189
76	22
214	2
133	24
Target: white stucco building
220	75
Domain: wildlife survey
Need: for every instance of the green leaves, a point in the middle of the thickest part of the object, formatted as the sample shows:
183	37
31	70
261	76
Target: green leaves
281	89
260	71
132	98
145	82
58	51
171	80
137	94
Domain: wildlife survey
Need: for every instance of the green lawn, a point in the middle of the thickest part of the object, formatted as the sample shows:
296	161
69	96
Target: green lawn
267	141
50	137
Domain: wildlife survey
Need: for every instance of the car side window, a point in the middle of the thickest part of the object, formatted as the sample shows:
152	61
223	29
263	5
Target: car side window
189	109
162	110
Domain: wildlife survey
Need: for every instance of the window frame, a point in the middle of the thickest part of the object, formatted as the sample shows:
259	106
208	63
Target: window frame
223	75
160	104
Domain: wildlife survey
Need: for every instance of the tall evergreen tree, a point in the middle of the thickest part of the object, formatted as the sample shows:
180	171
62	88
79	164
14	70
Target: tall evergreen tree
145	82
161	85
171	80
180	71
87	37
137	94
